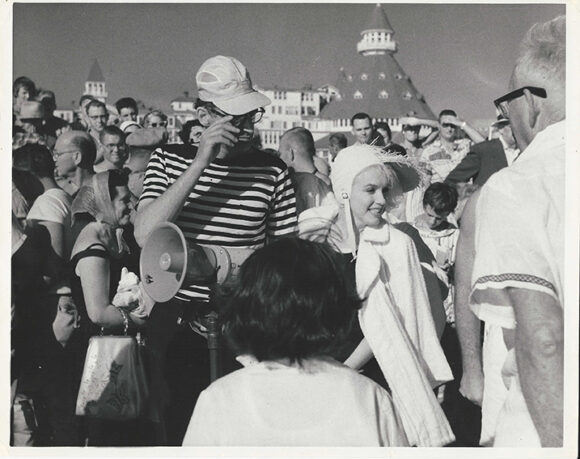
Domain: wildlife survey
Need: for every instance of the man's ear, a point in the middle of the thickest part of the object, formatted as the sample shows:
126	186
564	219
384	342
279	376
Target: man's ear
533	108
77	157
203	116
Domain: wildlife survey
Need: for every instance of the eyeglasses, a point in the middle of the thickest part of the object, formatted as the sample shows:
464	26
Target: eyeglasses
56	154
161	124
254	116
502	104
449	125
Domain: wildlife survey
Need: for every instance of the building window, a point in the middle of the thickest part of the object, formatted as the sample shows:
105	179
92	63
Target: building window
383	94
279	109
407	95
364	77
398	76
349	78
358	95
382	76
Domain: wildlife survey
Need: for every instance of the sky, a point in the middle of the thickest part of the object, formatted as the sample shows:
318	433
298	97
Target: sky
459	56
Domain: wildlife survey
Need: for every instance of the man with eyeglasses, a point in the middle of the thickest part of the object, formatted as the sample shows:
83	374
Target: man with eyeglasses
224	192
515	228
445	152
115	151
74	154
97	116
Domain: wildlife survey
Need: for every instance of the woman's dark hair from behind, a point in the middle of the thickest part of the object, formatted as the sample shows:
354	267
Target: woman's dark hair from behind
290	301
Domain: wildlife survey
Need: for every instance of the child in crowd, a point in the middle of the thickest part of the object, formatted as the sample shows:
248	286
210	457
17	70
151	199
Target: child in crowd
288	312
440	235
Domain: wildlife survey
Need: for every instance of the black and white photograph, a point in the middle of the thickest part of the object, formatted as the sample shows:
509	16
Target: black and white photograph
282	225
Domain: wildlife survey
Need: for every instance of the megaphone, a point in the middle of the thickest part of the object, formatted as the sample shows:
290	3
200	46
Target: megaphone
169	262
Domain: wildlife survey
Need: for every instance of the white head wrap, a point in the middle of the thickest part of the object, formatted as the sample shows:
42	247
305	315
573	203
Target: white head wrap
347	165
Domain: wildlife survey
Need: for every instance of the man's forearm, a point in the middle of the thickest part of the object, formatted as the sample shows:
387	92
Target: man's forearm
472	133
167	206
540	360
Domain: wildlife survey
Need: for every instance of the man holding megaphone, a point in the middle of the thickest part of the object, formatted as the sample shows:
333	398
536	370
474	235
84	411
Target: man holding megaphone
225	193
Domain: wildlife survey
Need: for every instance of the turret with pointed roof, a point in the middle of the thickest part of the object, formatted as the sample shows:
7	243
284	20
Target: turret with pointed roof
380	86
95	84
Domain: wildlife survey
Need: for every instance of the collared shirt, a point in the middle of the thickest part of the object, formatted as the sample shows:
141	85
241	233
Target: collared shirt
519	237
442	159
511	154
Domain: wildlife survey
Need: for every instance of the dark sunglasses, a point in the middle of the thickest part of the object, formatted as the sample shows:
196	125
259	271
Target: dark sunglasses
449	125
502	106
254	116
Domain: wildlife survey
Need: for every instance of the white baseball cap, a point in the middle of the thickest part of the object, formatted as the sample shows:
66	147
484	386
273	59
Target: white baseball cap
226	83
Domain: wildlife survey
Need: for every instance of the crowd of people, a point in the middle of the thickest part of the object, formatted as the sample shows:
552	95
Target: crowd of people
400	292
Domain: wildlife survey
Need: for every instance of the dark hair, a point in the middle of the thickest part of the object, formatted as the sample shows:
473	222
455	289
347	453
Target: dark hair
385	126
340	138
441	197
203	103
155	112
446	112
117	177
289	301
126	102
24	82
47	98
35	158
361	116
85	97
111	130
186	130
95	103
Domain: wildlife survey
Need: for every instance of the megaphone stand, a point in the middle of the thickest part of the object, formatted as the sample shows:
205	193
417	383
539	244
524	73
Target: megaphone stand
214	346
168	262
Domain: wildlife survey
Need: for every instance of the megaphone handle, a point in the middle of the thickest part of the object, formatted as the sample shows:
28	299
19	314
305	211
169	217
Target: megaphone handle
213	346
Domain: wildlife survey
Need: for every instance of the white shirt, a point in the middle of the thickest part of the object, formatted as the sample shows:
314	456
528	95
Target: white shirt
519	238
270	404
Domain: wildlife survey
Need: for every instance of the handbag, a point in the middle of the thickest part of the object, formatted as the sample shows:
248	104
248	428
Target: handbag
114	384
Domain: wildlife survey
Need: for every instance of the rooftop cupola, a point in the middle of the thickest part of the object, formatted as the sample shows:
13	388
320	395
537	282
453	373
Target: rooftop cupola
377	37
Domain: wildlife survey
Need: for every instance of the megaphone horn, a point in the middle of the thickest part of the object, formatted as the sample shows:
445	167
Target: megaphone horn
169	262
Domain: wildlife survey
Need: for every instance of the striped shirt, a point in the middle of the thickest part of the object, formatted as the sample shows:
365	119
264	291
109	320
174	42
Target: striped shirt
237	202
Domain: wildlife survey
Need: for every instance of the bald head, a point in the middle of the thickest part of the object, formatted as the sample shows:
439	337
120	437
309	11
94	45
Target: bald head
541	63
81	140
297	149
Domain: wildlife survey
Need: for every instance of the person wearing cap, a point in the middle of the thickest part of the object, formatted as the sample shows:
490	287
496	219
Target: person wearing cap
31	118
396	319
486	158
129	126
224	192
53	125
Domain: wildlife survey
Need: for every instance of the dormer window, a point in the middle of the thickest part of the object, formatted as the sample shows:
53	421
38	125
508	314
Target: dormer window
407	95
398	76
358	95
364	77
382	76
383	94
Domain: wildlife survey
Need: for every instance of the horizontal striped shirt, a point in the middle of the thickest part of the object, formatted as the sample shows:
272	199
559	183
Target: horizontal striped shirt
237	202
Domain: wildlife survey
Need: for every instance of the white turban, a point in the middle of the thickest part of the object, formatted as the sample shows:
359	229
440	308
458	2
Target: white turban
348	164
